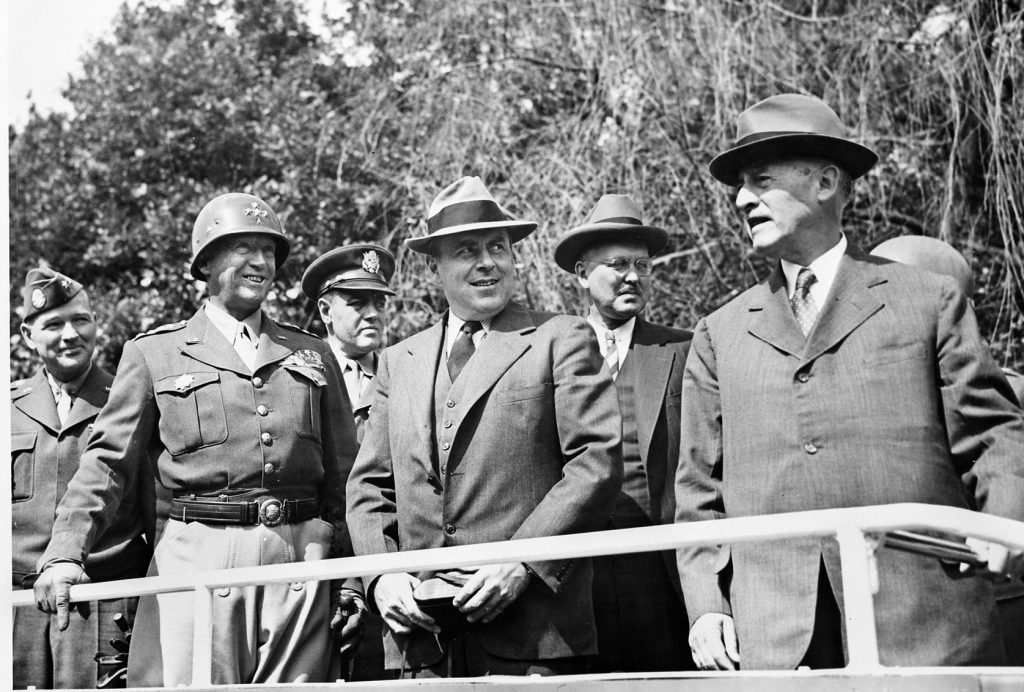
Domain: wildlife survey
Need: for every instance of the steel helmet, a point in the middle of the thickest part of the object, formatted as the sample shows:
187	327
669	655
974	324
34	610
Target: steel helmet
233	214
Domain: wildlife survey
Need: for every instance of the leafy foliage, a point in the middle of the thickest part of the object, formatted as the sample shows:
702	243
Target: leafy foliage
348	124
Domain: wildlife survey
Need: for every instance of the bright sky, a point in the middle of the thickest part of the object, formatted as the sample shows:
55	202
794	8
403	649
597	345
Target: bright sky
46	40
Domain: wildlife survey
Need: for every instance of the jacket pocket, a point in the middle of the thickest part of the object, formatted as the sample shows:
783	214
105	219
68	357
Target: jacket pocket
23	453
305	394
191	411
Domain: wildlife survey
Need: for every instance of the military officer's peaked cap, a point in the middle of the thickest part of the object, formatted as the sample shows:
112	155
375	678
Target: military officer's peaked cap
45	290
360	267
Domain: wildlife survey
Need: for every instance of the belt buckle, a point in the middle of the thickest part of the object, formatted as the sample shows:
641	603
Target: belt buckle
271	513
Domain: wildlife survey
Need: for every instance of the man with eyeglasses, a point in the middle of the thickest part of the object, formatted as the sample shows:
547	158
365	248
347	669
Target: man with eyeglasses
638	605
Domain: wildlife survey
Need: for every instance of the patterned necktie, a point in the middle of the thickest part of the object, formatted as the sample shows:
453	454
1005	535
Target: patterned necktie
245	346
611	356
462	349
802	302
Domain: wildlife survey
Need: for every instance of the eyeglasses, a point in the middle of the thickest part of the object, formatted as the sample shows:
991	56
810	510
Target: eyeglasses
621	265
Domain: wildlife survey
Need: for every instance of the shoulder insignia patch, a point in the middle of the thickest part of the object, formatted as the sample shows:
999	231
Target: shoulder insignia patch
163	329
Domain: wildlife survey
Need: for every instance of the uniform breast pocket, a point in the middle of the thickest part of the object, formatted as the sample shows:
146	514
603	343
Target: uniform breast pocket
191	411
306	389
23	454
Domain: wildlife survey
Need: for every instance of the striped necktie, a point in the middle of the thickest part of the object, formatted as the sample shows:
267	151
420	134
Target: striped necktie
802	302
611	356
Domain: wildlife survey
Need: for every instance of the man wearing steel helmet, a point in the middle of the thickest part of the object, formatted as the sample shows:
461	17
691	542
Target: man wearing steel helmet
252	437
839	381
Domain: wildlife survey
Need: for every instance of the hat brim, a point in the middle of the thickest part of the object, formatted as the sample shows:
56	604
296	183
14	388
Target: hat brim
282	247
354	285
517	230
575	241
855	159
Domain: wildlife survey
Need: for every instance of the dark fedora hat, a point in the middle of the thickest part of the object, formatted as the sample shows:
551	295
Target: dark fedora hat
614	217
359	267
790	125
466	206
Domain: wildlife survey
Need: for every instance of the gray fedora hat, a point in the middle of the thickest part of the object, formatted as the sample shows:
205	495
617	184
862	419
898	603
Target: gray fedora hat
614	217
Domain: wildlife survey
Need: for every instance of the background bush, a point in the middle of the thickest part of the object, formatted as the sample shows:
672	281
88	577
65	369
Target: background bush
349	123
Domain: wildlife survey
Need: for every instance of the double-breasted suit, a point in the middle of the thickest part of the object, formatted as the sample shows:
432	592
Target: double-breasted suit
44	457
892	397
527	444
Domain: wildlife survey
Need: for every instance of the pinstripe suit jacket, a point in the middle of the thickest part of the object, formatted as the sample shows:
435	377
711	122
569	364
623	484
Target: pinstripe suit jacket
892	397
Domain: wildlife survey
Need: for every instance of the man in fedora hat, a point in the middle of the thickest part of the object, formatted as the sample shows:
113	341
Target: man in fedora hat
497	423
641	620
350	287
251	434
839	381
52	413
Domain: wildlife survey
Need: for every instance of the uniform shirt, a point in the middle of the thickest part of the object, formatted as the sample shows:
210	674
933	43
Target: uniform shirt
356	373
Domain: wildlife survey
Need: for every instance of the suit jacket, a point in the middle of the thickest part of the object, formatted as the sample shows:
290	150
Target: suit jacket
892	397
183	397
534	450
44	457
660	355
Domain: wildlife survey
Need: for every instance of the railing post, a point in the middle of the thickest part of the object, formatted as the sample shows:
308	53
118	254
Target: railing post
860	578
202	637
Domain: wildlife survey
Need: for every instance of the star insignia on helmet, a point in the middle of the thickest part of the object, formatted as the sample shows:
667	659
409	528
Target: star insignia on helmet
38	299
256	211
371	262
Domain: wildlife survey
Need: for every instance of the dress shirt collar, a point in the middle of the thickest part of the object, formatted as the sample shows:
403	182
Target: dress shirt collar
452	331
228	325
367	364
72	387
623	334
825	269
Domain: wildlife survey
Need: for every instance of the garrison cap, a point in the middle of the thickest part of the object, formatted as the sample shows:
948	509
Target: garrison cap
360	267
46	289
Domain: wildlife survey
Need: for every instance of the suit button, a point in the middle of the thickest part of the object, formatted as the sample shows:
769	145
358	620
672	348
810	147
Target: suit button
449	529
450	403
266	439
268	468
810	448
445	446
447	424
262	410
257	382
803	377
444	469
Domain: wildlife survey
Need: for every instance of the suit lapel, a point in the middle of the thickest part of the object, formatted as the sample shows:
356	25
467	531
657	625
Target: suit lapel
502	347
422	352
772	317
849	304
204	342
653	367
38	404
91	397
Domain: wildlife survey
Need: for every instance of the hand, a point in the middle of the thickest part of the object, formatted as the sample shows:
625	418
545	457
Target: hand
52	590
1001	563
393	595
491	590
713	642
348	619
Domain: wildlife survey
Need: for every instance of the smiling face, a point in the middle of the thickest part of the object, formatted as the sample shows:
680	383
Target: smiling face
782	203
64	337
353	320
241	269
476	272
617	297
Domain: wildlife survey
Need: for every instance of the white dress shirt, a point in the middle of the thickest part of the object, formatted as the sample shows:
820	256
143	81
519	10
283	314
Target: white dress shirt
824	268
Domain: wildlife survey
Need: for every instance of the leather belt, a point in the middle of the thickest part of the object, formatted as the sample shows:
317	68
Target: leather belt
269	512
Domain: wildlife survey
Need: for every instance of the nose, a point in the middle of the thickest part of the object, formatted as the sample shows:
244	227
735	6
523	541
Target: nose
68	333
371	311
745	199
485	261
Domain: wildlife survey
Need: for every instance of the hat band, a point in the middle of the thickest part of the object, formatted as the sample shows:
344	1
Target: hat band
621	219
760	136
461	213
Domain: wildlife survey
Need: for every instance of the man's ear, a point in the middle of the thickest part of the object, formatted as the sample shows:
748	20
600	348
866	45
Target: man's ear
26	334
581	274
323	306
828	182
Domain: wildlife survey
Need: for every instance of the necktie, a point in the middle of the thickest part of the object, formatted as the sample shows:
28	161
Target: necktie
462	349
611	356
245	346
803	304
64	401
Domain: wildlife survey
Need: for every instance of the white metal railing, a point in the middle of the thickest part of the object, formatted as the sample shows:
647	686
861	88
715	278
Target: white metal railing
857	530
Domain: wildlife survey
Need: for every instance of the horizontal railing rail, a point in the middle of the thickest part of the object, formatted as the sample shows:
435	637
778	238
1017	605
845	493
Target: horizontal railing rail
859	531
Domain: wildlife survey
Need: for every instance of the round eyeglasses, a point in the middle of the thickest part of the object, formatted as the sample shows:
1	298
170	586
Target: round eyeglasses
620	265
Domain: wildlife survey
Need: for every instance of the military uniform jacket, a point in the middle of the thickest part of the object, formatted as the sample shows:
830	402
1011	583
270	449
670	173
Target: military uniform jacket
183	397
44	457
892	397
530	446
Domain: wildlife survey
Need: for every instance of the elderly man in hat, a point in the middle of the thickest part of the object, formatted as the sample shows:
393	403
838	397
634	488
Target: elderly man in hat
496	423
839	381
641	620
250	431
52	413
350	287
